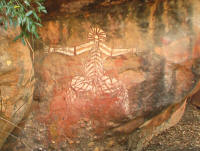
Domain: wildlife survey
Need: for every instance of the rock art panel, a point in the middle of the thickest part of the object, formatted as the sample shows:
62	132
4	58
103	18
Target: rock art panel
129	67
93	88
95	82
112	71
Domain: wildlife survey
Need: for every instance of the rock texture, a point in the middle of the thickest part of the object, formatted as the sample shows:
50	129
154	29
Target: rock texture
16	82
143	87
157	71
112	74
196	99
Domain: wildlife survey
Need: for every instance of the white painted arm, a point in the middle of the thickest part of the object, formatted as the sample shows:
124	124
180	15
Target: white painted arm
84	47
115	52
70	51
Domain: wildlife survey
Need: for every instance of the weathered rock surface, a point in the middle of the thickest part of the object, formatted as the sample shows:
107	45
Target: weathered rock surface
157	73
195	100
16	82
110	75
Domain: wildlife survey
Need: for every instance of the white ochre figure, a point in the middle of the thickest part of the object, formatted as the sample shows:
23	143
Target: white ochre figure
95	83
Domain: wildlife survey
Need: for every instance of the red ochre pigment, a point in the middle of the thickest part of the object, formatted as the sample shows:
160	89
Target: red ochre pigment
93	114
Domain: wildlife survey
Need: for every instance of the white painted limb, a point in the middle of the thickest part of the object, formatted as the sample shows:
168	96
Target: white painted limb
84	47
115	52
80	84
71	51
66	51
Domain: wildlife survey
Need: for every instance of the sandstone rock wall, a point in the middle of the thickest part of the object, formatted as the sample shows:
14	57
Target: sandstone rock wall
16	82
113	71
151	50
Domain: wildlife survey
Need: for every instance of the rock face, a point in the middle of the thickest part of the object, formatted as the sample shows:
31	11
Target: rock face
116	68
16	82
196	99
112	74
109	71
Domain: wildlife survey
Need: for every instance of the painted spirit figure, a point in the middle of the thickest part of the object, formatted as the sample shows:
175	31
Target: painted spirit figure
95	83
